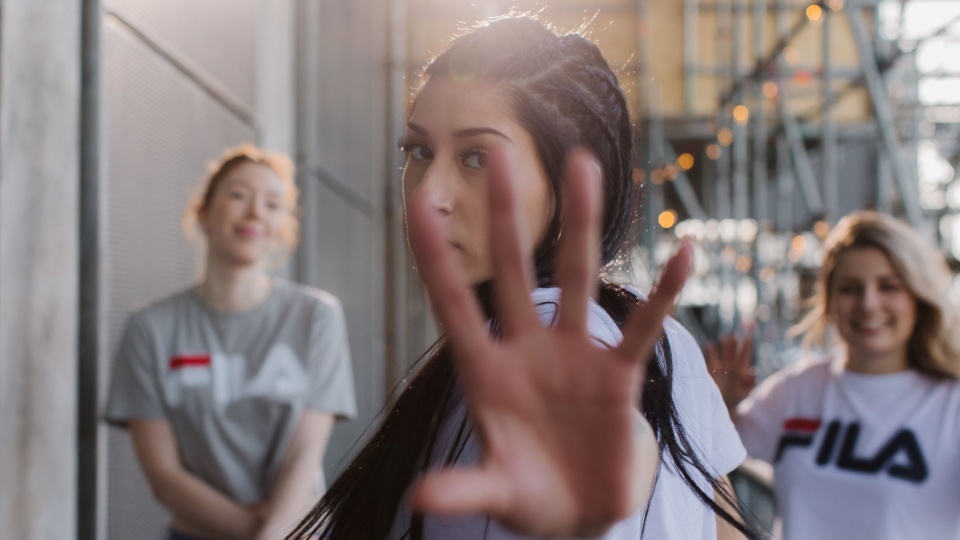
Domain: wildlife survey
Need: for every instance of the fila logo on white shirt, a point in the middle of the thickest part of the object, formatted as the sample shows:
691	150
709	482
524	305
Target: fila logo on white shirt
900	457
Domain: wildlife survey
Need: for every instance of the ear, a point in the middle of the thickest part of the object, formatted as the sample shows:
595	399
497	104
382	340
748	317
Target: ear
202	221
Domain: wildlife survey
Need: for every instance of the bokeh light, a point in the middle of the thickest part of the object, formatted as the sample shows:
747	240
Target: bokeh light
667	219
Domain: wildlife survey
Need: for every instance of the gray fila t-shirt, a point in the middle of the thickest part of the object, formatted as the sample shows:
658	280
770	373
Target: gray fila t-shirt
234	385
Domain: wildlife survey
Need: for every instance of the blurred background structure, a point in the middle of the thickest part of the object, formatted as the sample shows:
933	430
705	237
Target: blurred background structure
762	122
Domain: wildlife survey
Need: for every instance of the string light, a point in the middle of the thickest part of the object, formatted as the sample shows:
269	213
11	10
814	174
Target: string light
685	161
725	137
741	115
714	151
799	243
821	229
656	176
670	172
771	90
667	219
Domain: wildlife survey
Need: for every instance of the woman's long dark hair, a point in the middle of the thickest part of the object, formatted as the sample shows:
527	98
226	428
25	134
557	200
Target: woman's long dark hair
564	93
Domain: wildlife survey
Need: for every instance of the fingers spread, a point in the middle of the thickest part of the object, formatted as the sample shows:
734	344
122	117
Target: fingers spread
462	491
646	324
745	352
713	358
511	261
447	284
578	258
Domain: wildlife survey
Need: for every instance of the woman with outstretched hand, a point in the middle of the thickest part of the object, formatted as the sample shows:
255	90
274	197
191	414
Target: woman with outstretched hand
557	403
863	440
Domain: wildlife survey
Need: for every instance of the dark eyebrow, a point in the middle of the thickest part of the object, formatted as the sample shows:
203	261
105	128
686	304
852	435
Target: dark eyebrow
471	132
468	132
420	130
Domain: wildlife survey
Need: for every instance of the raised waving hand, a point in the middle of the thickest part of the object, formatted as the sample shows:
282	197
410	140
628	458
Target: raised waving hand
729	364
565	450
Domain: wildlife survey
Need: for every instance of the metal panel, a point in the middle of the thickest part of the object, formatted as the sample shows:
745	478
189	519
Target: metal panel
215	37
343	137
160	131
348	90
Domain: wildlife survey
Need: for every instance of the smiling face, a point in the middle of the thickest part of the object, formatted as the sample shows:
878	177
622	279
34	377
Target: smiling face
451	132
244	218
873	310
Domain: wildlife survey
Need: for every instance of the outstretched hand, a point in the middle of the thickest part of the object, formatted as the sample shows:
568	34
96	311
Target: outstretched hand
729	364
565	450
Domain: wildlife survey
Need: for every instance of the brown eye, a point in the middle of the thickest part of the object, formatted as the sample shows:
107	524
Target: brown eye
416	152
474	159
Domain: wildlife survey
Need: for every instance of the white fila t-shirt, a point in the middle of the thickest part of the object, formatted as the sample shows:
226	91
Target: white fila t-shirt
858	456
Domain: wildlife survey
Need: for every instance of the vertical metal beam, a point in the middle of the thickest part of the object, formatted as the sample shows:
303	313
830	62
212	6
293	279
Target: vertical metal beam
759	116
722	186
740	138
759	163
90	510
645	106
785	177
785	185
801	160
883	109
396	269
691	53
884	182
681	184
831	192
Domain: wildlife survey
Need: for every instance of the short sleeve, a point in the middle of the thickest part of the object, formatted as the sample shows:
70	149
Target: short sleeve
329	365
134	390
759	417
700	405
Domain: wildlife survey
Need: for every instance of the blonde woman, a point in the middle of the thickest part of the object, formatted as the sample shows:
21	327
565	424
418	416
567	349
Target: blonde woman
230	388
864	443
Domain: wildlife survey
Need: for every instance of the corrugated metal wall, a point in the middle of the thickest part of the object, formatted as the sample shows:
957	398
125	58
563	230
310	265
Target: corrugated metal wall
178	82
181	82
345	148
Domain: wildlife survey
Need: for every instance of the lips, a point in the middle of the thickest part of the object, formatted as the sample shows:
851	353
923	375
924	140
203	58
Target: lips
870	326
250	233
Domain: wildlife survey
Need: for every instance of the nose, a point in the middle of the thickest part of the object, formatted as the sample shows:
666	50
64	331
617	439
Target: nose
437	185
870	298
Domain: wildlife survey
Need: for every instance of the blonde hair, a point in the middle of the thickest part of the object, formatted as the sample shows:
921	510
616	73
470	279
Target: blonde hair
217	170
934	346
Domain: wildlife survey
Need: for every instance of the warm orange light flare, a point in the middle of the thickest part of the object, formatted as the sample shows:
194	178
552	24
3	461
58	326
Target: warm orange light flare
656	176
799	243
670	172
725	137
814	13
821	228
714	151
685	161
770	89
667	219
741	115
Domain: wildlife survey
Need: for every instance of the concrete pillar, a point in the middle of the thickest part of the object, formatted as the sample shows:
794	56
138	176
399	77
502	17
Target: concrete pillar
39	161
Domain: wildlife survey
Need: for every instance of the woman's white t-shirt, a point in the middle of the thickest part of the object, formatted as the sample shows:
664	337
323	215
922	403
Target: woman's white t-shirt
856	456
675	512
